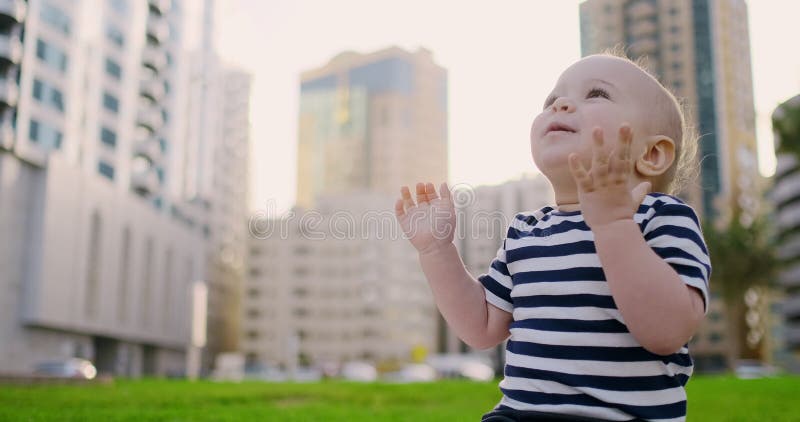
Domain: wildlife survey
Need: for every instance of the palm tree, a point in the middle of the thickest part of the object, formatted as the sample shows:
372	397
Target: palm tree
743	256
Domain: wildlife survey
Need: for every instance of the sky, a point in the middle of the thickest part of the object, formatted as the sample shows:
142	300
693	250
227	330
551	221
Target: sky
503	58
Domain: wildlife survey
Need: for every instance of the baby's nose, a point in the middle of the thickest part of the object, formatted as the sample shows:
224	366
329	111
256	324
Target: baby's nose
563	104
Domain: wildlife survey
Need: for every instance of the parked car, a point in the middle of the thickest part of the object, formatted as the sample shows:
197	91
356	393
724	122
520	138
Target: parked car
412	372
751	369
359	371
67	368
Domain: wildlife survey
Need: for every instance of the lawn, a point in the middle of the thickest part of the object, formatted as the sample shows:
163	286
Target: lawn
710	399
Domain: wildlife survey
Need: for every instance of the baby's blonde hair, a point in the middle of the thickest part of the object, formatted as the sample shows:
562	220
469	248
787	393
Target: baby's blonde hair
674	124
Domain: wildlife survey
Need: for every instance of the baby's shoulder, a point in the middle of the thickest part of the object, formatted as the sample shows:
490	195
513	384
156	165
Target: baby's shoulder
658	203
660	208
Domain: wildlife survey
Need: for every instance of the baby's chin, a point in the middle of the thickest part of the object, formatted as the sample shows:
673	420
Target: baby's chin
553	166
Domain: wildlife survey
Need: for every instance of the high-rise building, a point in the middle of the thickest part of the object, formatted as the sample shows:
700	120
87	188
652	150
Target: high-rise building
371	122
227	215
786	197
700	49
100	242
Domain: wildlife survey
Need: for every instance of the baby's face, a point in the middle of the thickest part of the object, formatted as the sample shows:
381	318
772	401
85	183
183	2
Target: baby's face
597	91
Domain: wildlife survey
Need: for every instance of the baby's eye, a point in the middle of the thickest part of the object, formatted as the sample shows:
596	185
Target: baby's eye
597	92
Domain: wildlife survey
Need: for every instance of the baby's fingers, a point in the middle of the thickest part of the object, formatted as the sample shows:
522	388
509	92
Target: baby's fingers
445	191
399	211
599	158
579	174
421	195
406	195
430	192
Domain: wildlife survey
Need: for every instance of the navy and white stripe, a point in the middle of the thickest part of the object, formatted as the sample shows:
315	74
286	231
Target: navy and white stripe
570	351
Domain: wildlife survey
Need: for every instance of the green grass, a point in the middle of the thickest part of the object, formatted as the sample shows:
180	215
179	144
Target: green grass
710	399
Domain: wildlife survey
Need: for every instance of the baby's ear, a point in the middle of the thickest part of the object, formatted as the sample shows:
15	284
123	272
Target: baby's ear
658	156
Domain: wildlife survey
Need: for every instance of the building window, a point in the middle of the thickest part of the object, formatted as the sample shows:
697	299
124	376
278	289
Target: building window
42	134
52	56
106	170
113	69
110	102
120	6
676	66
48	94
38	90
115	35
56	18
93	266
674	29
33	132
108	137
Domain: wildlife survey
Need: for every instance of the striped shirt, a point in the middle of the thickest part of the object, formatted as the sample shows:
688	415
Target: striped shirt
570	351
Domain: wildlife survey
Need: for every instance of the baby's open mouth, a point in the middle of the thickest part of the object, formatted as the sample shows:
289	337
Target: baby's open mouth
559	127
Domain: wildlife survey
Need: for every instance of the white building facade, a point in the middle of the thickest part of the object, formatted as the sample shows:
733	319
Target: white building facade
100	241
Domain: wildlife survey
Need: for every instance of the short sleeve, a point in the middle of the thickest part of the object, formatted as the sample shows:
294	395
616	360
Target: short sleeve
674	234
497	282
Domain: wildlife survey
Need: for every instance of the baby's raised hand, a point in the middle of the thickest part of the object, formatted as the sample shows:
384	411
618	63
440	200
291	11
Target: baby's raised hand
431	222
603	190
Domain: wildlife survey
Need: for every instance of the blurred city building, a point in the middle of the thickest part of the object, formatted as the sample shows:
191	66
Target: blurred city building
217	177
700	50
99	244
104	224
228	236
484	216
786	198
335	284
339	283
371	122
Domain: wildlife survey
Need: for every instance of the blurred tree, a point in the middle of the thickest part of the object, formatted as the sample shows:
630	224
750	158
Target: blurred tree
786	125
743	256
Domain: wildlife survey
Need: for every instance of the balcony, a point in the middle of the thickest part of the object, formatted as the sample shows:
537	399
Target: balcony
643	29
12	12
152	89
10	50
159	7
144	182
9	93
149	149
643	46
641	9
150	119
157	30
154	58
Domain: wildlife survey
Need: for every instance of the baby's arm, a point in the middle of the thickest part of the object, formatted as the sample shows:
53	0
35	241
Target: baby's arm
430	226
659	309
